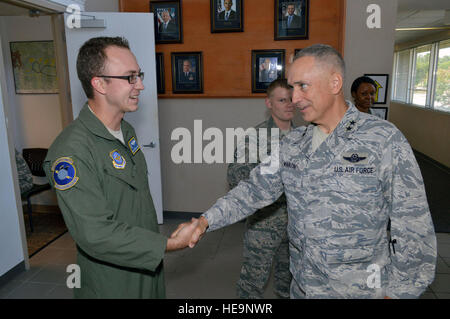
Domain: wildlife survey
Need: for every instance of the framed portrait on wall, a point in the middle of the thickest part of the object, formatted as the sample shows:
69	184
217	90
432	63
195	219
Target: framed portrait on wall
227	15
291	19
267	66
187	72
34	67
160	73
382	81
380	111
168	26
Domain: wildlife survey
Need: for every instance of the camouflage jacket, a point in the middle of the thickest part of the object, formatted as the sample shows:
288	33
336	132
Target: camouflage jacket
340	199
24	172
241	171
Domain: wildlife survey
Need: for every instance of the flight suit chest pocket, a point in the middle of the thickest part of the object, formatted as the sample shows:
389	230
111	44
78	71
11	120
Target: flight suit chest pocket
358	204
124	177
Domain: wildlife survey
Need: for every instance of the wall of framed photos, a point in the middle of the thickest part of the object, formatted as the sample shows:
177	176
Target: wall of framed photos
227	57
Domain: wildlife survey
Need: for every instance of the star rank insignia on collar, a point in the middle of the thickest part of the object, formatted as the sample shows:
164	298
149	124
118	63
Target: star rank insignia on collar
350	125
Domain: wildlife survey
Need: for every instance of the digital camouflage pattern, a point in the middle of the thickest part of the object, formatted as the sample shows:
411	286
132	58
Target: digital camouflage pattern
265	238
24	172
340	199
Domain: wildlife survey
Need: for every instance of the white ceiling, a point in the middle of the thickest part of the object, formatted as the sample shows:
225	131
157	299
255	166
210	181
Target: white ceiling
421	13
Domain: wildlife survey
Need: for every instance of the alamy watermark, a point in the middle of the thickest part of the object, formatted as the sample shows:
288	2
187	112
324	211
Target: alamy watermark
74	279
374	19
374	279
74	17
251	146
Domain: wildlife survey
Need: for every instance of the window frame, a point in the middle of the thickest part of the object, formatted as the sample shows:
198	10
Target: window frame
432	76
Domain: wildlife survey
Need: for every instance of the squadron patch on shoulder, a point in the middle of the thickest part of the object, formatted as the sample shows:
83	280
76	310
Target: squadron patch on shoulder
64	173
133	145
118	160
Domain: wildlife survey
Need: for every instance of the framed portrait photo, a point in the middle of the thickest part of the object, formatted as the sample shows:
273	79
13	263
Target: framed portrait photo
160	73
291	19
227	15
382	81
187	72
379	111
267	66
167	15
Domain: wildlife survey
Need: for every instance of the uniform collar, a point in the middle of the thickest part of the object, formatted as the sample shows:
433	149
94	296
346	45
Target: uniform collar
271	123
349	123
342	133
344	130
96	127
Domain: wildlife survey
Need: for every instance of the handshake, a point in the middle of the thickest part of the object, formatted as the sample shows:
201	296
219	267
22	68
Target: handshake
187	234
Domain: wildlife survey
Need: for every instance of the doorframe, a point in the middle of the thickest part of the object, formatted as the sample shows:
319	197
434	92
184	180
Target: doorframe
9	133
58	30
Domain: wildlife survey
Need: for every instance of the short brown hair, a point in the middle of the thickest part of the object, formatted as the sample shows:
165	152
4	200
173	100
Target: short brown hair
91	59
278	83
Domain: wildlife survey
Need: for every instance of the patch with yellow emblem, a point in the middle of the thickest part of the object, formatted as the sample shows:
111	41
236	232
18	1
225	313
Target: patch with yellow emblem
118	161
64	173
133	145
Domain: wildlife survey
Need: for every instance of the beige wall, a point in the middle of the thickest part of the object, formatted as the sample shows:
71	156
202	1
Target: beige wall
369	51
427	131
101	6
35	118
195	187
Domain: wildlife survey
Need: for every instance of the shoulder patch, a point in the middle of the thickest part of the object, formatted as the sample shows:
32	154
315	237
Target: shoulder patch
133	145
64	173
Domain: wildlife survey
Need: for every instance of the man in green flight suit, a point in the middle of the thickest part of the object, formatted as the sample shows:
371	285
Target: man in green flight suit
100	177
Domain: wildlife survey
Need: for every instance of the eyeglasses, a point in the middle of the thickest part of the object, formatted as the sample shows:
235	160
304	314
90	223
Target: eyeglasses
132	79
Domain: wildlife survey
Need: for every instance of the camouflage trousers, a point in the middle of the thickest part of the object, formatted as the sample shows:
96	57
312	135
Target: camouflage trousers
265	241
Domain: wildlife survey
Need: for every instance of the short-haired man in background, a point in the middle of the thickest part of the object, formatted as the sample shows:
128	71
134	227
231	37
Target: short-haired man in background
265	239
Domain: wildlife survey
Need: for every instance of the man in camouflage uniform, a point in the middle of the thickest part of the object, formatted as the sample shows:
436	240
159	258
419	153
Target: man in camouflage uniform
24	172
344	177
265	237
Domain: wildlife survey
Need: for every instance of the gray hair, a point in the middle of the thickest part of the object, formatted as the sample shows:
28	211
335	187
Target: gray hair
326	54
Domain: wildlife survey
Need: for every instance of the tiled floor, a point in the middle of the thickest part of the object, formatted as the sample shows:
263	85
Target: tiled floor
210	270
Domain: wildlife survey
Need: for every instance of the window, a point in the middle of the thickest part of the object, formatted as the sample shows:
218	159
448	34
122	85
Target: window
421	76
401	75
442	95
421	68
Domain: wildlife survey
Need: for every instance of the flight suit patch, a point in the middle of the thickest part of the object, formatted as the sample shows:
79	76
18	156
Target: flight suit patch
118	160
133	145
64	173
